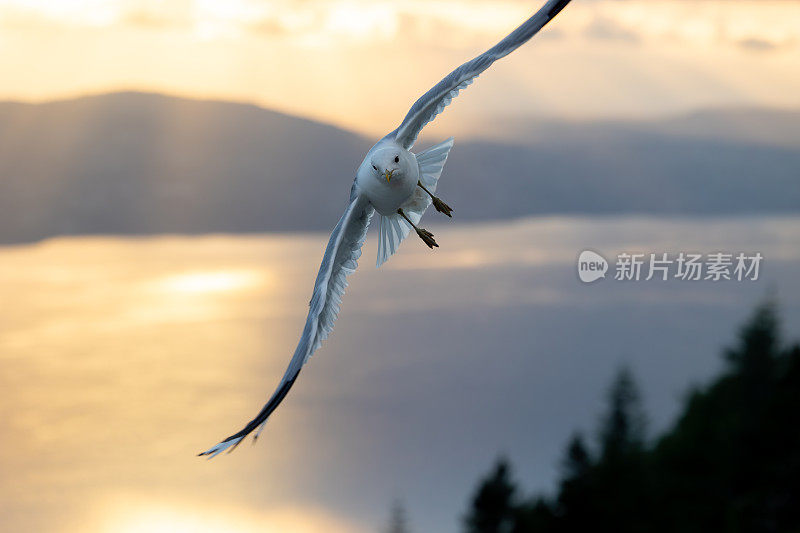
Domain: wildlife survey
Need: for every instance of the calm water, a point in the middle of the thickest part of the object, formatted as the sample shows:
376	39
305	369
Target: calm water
122	358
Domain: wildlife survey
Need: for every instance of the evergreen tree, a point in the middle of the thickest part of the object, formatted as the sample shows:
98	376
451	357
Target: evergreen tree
575	498
732	460
622	431
730	464
493	506
398	520
758	344
534	516
622	499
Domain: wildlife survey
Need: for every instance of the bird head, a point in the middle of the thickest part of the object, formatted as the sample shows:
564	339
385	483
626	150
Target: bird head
388	164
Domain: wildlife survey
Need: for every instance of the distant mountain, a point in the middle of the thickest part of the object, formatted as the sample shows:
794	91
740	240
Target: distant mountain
771	127
134	163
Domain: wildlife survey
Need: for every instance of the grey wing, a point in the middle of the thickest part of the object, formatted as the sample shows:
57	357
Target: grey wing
340	260
435	100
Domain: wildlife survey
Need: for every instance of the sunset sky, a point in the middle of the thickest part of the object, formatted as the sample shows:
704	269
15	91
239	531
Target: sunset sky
126	355
361	64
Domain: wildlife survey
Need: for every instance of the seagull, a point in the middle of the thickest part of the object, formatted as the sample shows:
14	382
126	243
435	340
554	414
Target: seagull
400	186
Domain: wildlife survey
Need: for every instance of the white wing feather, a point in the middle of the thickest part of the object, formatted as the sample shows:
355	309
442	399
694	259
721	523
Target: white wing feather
340	260
344	246
435	100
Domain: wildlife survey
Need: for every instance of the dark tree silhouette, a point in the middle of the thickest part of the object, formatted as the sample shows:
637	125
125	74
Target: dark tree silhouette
621	500
536	515
493	505
730	463
398	519
622	431
575	504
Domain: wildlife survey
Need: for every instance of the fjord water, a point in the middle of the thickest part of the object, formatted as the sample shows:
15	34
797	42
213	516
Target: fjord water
124	357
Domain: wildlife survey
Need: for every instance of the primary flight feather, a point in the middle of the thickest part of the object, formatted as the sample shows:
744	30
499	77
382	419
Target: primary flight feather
400	186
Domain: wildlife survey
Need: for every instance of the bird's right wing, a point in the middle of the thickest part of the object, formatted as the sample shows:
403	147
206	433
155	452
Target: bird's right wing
435	100
340	260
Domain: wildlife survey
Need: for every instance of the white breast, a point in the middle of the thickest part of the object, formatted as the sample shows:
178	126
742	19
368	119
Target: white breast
386	198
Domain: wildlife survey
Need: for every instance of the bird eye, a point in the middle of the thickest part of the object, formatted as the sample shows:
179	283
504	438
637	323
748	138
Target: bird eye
397	159
373	166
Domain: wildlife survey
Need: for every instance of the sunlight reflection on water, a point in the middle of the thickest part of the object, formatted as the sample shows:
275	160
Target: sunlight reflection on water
132	515
212	281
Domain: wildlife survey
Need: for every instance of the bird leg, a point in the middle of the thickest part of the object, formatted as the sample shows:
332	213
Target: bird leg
425	235
437	202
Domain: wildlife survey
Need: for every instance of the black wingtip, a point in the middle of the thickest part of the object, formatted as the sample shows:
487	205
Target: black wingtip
262	416
556	9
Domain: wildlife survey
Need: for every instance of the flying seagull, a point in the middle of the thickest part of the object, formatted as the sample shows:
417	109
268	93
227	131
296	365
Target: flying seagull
400	186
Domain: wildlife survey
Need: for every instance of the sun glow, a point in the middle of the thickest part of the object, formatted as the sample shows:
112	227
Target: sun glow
162	519
219	281
321	59
79	12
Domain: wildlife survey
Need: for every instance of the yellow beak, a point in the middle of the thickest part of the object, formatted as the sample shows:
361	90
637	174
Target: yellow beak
389	175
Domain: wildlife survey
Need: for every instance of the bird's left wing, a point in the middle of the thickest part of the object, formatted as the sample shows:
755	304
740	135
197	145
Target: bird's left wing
340	260
435	100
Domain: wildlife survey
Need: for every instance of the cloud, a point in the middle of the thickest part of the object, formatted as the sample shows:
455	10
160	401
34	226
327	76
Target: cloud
757	45
21	19
640	57
606	29
269	27
151	19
